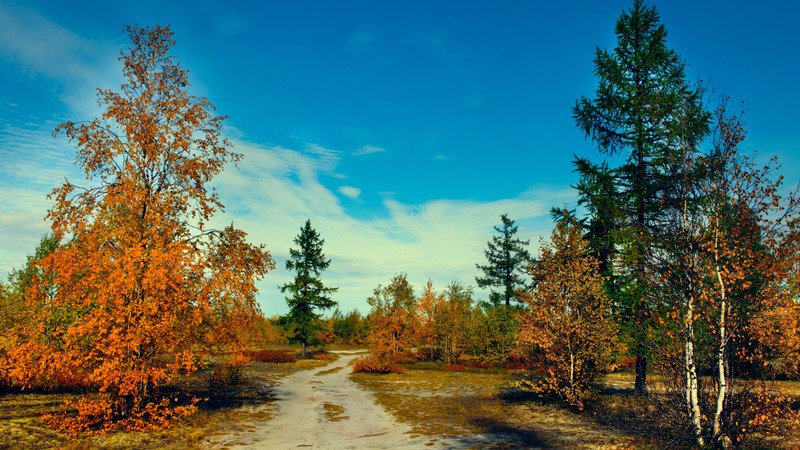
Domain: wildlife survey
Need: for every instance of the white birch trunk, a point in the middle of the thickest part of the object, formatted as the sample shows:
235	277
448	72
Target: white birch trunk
571	369
690	367
692	397
723	343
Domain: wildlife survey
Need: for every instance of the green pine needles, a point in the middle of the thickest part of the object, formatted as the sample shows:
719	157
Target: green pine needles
307	293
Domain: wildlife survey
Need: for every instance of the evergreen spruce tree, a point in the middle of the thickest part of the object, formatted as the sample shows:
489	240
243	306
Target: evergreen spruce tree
507	263
642	107
308	293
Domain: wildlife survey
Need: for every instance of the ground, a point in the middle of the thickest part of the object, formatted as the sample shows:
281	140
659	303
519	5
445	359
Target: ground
325	409
320	403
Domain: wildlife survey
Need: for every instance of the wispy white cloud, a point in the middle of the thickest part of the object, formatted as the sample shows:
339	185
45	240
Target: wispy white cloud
350	192
277	189
32	163
368	150
271	195
42	47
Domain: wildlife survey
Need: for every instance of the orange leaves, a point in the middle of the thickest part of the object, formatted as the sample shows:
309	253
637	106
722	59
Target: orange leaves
393	318
141	284
567	328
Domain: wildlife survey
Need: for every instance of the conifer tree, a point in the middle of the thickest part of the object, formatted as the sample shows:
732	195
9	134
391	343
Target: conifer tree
308	293
507	261
643	106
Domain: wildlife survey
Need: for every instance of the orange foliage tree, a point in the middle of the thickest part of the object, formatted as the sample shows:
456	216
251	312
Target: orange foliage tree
393	319
723	259
429	306
444	320
147	283
567	329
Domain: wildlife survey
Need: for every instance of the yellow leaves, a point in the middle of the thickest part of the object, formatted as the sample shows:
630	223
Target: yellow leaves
139	291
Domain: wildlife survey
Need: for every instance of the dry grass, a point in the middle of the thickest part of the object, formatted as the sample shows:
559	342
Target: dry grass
334	412
225	410
480	409
328	372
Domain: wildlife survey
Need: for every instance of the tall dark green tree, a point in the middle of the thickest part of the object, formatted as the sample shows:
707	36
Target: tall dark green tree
307	292
507	263
643	107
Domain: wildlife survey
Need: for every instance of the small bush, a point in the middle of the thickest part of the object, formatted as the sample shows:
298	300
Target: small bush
474	362
517	361
455	368
227	374
373	365
322	356
273	356
405	357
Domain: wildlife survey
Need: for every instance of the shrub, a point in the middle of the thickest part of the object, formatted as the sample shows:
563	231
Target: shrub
273	356
474	362
455	368
226	374
517	361
404	357
322	356
374	365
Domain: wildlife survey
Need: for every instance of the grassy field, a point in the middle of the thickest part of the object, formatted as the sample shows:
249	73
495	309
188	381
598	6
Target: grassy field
481	408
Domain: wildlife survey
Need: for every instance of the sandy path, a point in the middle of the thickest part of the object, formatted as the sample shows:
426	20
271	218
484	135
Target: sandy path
300	416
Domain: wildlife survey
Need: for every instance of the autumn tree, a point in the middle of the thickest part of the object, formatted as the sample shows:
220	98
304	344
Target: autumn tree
429	311
641	104
568	328
148	281
453	325
444	321
492	333
308	292
507	260
393	318
13	310
724	271
32	283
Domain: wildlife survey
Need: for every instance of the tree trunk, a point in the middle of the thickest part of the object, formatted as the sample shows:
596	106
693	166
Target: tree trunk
722	350
571	369
303	351
690	368
640	385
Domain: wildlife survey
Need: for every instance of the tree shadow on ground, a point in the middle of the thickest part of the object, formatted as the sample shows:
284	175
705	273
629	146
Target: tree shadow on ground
250	391
508	435
625	412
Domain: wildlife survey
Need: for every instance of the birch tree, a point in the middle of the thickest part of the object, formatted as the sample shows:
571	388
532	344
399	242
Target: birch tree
567	328
149	282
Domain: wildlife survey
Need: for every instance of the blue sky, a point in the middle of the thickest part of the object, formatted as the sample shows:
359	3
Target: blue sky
402	129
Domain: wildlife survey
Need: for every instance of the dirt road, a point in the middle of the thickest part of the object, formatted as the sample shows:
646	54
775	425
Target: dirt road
323	408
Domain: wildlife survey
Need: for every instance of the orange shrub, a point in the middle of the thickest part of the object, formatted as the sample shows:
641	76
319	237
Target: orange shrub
373	365
322	356
227	374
